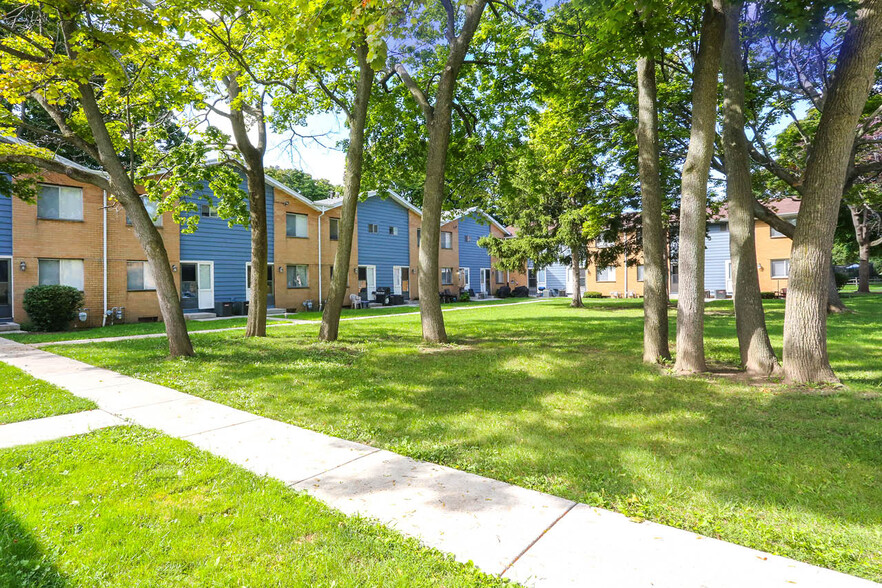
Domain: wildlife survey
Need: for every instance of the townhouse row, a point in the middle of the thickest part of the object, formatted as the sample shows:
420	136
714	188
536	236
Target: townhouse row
772	252
75	235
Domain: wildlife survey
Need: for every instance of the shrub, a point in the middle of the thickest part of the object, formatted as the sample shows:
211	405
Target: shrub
51	308
767	295
464	297
592	295
503	292
841	279
521	292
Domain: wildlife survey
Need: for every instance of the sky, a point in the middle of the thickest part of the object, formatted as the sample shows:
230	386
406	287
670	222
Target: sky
318	157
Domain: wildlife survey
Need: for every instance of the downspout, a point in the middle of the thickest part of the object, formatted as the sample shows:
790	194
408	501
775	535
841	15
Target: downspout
324	210
626	265
104	265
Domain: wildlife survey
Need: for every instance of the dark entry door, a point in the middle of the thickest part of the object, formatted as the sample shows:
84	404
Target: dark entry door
5	289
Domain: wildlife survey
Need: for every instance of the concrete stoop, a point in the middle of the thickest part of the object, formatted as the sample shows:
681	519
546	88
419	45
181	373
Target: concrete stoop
10	326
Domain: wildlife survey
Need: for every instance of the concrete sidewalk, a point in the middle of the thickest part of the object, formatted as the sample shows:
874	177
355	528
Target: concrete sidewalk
530	537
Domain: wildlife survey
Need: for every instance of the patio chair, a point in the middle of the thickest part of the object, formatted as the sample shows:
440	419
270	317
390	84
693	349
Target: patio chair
355	301
615	294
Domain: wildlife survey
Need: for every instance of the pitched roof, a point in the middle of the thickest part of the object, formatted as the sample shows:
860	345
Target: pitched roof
782	207
291	192
452	215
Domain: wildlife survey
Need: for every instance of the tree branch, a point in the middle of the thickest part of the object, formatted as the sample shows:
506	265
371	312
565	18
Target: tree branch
333	95
79	174
67	133
416	92
768	216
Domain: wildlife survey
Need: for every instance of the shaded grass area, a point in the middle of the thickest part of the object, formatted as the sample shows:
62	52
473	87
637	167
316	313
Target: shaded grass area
23	397
123	330
380	311
130	507
557	399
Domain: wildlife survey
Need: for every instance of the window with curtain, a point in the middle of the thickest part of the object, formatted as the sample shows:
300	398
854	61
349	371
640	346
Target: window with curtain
298	276
334	229
607	274
639	273
500	277
780	269
61	272
446	240
139	276
447	276
60	203
296	225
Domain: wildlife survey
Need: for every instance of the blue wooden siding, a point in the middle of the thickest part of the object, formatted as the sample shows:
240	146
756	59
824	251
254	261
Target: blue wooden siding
556	277
716	254
5	224
471	255
382	249
228	247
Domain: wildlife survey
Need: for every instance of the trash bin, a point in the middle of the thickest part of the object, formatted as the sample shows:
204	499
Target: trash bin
238	308
223	308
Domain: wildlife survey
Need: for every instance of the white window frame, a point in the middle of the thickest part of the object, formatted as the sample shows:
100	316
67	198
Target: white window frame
448	271
293	266
147	278
373	228
393	231
601	271
640	272
79	284
69	191
331	221
500	276
448	242
212	211
297	215
772	273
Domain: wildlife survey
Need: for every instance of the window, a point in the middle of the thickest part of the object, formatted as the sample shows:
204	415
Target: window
60	272
780	269
298	276
296	225
152	209
393	230
60	203
639	273
447	276
582	278
372	228
334	229
139	276
602	243
468	238
208	211
607	274
419	236
446	240
500	277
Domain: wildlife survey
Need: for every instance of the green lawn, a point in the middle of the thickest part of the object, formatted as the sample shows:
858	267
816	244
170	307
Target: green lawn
23	397
123	330
557	399
379	311
129	507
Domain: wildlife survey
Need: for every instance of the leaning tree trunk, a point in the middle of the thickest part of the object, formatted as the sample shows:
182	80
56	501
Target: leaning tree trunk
693	200
256	325
439	122
577	275
655	275
145	231
805	323
757	354
351	189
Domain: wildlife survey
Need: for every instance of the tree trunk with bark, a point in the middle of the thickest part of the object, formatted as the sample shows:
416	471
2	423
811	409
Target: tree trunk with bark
860	218
805	323
757	354
351	189
655	275
438	119
255	176
122	187
693	200
577	275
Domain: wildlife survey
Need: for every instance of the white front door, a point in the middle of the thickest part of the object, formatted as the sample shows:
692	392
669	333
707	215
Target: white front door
367	281
729	275
396	280
270	295
541	279
485	280
205	284
466	277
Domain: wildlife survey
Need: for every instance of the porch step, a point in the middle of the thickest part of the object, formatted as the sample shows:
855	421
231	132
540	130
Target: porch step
270	311
195	316
10	326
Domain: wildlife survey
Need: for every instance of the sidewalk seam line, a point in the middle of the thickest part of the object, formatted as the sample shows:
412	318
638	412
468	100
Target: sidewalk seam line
257	418
536	540
354	459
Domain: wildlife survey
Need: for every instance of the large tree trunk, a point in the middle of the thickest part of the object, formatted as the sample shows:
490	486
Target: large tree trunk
439	122
655	275
805	323
145	231
351	189
757	354
693	199
256	324
834	301
577	274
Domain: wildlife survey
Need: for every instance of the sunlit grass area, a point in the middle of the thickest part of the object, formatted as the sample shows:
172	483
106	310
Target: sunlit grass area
557	399
23	397
128	507
123	330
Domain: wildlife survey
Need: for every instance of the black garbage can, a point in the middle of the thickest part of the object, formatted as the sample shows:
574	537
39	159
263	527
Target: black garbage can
223	308
238	308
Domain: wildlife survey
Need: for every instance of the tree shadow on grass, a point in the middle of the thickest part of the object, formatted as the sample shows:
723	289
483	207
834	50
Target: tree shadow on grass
22	561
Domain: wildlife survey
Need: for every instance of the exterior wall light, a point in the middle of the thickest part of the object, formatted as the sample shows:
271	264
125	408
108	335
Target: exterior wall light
22	266
84	314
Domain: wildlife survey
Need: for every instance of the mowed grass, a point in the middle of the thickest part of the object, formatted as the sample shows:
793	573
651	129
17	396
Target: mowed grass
23	397
129	507
557	399
123	330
